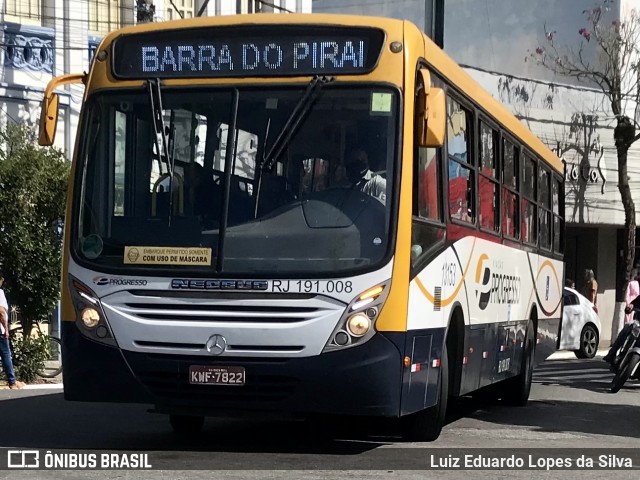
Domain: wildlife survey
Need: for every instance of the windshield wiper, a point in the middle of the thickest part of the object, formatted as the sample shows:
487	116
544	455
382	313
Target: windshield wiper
155	98
294	121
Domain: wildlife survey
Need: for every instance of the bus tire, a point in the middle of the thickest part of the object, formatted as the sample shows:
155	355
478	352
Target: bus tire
186	424
426	425
515	391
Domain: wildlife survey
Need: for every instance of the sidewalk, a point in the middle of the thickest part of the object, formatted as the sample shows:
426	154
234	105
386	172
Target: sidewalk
52	384
40	383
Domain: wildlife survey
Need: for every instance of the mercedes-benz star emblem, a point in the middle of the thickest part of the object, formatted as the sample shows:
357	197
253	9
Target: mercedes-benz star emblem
216	344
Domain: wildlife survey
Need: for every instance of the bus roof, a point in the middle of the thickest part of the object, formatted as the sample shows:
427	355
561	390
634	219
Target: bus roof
450	70
435	56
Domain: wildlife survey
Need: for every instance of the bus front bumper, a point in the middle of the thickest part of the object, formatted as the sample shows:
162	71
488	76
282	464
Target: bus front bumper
363	380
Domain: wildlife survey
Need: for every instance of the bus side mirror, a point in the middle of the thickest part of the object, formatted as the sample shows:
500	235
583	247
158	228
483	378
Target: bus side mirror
432	112
48	120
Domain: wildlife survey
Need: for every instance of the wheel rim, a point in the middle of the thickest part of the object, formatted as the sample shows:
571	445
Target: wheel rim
589	341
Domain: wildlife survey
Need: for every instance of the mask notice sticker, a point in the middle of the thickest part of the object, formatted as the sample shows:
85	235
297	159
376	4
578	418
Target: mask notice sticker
380	103
197	256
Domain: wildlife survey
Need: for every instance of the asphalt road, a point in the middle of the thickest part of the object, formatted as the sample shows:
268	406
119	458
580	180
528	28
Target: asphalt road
570	407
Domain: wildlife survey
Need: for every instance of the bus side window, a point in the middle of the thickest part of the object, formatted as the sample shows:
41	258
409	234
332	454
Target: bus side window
557	202
427	226
529	207
488	208
460	166
429	191
511	198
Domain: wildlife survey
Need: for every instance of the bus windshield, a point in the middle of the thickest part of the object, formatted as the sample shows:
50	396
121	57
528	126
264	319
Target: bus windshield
309	180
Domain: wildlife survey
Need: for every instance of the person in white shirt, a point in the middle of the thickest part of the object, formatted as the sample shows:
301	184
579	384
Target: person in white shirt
5	351
363	179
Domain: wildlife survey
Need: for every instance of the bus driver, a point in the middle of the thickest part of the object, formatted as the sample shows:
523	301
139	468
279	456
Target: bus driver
362	178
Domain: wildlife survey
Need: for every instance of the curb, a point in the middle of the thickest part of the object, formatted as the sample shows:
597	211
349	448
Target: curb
569	355
37	386
44	386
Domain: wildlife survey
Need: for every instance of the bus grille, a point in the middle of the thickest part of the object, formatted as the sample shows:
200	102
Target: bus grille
196	307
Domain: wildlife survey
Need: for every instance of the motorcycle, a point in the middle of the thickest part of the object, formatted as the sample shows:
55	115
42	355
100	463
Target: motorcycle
627	360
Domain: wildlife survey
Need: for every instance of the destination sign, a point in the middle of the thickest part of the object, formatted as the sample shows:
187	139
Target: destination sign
246	51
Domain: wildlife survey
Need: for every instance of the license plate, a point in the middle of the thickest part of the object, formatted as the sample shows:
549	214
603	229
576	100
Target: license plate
210	375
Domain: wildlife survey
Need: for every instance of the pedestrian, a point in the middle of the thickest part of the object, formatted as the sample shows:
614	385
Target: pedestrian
590	286
5	351
633	290
632	300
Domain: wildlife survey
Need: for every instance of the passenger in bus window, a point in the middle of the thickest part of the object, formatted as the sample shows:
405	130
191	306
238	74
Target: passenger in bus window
202	195
362	178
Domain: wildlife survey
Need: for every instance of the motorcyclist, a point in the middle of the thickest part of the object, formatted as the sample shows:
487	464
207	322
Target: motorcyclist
624	333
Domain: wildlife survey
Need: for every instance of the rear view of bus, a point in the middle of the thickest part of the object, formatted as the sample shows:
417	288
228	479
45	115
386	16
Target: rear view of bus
239	228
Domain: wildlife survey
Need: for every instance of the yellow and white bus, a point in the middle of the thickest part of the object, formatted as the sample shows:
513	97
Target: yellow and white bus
306	214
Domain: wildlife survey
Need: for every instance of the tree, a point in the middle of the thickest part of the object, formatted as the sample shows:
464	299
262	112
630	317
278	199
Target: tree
145	11
607	57
33	186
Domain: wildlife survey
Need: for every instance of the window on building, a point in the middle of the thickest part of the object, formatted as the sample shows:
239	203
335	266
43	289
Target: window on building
488	184
20	10
461	171
510	196
104	16
184	9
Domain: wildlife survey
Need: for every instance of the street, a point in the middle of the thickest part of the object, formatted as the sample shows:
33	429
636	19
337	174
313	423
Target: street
570	407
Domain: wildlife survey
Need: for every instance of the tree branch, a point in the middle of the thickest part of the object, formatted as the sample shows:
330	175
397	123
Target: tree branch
269	4
202	8
176	9
633	140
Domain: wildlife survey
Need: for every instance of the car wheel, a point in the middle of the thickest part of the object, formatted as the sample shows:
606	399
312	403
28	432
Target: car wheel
588	342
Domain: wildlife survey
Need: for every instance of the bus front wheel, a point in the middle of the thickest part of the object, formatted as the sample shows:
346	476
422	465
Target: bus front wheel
426	425
185	424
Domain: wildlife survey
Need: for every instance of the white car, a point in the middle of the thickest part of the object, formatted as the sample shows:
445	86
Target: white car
580	325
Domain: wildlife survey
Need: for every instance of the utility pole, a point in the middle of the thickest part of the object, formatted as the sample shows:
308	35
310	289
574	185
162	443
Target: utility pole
435	20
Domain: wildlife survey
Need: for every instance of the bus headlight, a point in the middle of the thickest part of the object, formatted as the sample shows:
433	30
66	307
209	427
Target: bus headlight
90	317
357	324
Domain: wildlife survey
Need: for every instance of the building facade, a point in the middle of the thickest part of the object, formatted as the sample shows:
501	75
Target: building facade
492	39
45	38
